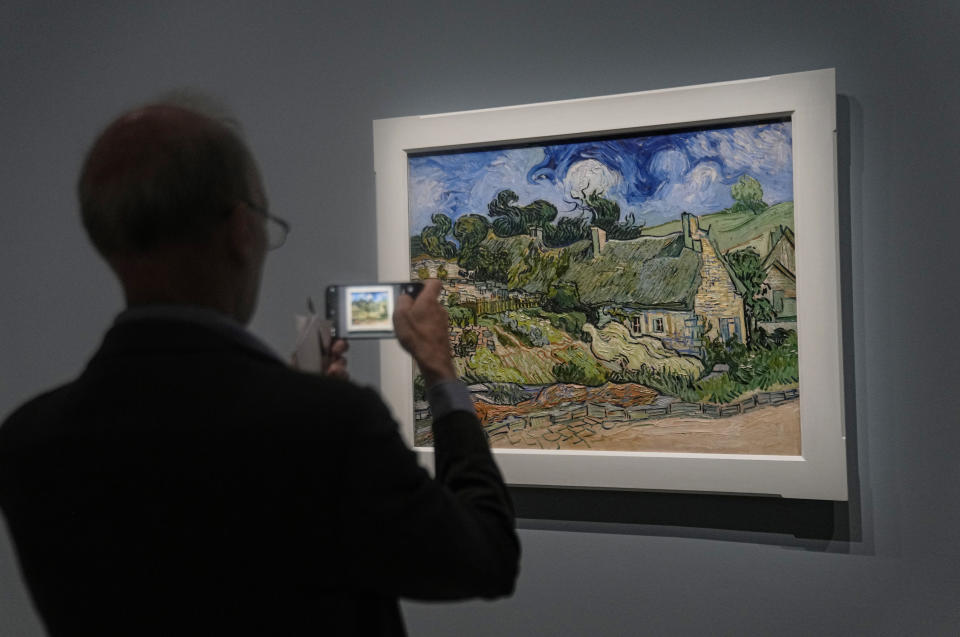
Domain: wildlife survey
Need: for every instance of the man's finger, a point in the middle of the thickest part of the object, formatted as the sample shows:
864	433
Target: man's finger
429	295
403	303
339	347
401	314
431	290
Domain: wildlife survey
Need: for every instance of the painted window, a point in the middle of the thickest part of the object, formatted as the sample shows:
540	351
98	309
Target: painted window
658	325
778	302
637	324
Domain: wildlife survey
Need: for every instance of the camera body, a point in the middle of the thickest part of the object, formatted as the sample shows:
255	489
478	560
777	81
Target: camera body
365	310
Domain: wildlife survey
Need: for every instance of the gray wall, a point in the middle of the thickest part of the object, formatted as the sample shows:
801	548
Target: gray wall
307	79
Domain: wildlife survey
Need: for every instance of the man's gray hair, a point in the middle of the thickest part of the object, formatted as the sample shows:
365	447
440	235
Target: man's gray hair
164	173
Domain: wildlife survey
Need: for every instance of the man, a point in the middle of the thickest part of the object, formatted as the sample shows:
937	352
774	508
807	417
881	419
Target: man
190	483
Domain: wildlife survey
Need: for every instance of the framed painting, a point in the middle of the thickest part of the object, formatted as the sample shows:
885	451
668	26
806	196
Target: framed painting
639	286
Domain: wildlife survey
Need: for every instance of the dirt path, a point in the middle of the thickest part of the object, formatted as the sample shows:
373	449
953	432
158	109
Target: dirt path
770	430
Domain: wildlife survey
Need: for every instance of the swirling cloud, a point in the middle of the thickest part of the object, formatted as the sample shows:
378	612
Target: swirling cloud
655	177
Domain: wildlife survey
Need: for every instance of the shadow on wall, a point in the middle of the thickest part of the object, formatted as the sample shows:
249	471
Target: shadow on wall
810	524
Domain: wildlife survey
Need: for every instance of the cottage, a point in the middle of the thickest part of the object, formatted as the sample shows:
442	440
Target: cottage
780	284
677	287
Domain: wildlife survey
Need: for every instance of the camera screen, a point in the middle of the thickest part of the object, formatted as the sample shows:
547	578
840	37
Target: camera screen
369	308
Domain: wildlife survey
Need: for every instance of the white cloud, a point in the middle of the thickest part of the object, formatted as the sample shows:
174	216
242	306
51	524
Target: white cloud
589	175
747	149
669	164
701	190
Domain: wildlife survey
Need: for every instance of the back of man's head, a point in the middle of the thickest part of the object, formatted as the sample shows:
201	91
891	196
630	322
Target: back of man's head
159	175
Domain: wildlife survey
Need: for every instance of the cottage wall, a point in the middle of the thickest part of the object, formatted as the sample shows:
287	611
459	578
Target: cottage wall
674	334
784	254
717	298
777	280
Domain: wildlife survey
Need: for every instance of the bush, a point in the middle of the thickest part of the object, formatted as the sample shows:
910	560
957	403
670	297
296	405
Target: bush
664	381
570	322
529	335
579	368
461	316
562	297
718	389
770	360
507	393
570	372
486	367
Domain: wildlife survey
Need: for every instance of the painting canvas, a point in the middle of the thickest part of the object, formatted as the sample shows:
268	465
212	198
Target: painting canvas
638	285
370	308
634	293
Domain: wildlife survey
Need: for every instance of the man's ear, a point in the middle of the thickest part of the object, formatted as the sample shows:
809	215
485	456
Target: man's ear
243	234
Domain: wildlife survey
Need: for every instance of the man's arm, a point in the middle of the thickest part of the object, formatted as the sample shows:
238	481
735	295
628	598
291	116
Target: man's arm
443	538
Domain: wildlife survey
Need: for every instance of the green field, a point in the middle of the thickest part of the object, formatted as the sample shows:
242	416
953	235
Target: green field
732	228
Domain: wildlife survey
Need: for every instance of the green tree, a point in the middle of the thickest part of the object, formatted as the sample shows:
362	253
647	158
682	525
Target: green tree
748	267
747	194
493	264
470	231
416	247
605	214
434	238
562	297
566	231
510	220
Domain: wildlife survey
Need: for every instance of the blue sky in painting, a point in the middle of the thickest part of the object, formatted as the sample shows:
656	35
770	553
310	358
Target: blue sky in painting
654	177
373	297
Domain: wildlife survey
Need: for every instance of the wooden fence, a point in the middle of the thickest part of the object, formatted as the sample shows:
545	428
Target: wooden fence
609	414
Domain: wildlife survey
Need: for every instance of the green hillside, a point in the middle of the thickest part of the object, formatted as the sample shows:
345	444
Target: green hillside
732	228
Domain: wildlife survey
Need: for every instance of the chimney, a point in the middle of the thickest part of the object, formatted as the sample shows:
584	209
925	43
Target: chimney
691	232
599	236
537	233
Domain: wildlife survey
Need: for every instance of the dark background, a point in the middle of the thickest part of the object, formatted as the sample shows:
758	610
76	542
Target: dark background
307	78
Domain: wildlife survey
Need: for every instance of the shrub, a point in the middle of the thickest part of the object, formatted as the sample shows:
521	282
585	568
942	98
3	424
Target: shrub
461	316
579	368
485	366
718	389
507	393
529	335
570	322
664	381
562	296
771	360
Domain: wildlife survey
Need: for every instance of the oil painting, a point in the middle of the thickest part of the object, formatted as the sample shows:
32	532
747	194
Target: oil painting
370	308
620	293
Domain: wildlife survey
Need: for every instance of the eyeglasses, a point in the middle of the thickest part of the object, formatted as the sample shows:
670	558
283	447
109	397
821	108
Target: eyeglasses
277	228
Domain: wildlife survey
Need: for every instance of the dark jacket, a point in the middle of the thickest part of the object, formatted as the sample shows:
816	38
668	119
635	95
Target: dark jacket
187	484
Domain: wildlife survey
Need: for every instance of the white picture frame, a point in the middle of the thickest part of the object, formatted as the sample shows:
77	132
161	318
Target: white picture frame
809	99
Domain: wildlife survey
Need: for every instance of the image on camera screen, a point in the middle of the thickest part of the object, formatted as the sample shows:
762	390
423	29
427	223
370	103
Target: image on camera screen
370	308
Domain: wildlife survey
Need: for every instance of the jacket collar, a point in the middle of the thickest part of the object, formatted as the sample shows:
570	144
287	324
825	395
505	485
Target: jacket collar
175	326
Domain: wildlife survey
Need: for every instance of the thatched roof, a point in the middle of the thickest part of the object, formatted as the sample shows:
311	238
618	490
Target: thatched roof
643	273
